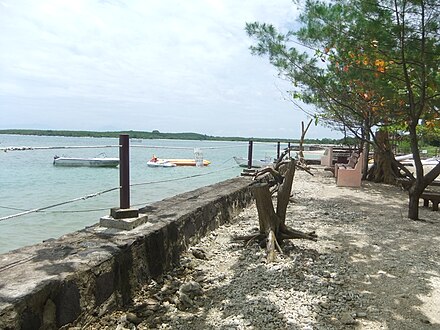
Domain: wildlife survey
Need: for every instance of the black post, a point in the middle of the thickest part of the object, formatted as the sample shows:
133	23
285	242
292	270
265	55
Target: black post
278	150
124	171
250	154
288	148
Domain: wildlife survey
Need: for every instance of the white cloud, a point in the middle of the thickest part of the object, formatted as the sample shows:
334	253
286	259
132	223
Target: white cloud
172	65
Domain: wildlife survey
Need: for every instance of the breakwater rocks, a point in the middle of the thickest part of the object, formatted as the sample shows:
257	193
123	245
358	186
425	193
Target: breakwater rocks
84	274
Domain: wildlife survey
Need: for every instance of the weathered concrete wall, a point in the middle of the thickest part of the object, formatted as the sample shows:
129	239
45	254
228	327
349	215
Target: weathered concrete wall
52	284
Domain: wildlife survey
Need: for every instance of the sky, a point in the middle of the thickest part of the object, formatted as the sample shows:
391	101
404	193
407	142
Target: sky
169	65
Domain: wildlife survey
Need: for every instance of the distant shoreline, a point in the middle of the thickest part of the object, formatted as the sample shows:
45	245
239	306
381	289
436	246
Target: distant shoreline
156	135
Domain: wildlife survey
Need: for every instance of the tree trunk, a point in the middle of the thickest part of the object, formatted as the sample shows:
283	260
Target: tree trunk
418	185
413	205
267	217
273	229
304	130
366	157
283	195
383	169
366	149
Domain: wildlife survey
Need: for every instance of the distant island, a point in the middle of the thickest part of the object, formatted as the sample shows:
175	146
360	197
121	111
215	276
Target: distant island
158	135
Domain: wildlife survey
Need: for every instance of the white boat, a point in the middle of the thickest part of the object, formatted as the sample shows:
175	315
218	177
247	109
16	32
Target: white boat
427	164
160	163
431	161
90	162
243	162
402	158
408	160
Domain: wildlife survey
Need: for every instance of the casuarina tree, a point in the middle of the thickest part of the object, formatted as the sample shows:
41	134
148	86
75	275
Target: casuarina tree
369	67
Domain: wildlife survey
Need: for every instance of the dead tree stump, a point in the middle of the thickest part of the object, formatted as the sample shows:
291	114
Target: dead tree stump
273	229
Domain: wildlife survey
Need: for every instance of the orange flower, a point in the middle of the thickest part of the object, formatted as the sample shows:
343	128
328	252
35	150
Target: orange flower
379	63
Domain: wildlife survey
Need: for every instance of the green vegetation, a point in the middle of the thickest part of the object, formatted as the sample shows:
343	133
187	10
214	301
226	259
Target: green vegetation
158	135
370	68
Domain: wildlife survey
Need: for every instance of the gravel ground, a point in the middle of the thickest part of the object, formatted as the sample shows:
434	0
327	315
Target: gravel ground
371	268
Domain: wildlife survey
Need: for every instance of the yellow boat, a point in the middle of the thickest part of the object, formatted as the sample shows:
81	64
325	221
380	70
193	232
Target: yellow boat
175	162
186	162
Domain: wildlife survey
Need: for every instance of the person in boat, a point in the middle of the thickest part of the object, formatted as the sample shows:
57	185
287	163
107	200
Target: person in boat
153	159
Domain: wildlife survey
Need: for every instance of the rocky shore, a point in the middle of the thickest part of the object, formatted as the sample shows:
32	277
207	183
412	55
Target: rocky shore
371	268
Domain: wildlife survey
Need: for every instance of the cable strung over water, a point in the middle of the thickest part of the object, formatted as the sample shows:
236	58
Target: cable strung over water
25	212
25	148
58	204
55	147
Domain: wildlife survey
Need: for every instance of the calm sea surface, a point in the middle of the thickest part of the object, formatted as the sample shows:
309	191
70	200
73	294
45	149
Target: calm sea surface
28	180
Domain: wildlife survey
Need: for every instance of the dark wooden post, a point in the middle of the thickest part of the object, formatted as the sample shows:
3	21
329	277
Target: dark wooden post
250	149
118	216
288	148
124	171
278	150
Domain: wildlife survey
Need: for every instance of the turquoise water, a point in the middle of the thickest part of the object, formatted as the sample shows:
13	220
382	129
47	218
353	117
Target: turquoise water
29	180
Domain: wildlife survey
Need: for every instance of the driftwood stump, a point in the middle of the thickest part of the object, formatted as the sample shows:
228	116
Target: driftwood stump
301	157
273	229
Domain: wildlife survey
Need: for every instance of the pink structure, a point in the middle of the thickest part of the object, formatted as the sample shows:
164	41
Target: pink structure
351	163
347	175
327	158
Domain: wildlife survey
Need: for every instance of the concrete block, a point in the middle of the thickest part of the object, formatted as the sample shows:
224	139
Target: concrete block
124	223
118	213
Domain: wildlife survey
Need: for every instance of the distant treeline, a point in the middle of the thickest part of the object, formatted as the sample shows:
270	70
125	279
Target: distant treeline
158	135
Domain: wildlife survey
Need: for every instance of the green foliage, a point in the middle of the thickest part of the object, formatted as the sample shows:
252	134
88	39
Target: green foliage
157	135
363	64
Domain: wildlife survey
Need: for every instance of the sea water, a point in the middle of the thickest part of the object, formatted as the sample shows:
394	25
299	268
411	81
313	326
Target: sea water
29	180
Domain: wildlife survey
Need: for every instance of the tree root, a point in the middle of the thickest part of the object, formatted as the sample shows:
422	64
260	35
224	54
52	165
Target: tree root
249	238
270	247
284	233
289	233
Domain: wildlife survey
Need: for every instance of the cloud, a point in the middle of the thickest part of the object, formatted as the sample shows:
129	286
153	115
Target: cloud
170	65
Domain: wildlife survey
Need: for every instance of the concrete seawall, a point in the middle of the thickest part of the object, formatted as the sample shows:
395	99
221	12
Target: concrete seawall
52	284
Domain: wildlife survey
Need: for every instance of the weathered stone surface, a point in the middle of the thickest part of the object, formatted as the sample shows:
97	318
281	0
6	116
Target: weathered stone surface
80	271
128	223
68	303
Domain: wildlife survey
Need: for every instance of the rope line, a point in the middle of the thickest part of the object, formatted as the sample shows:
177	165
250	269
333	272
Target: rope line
184	148
182	178
25	148
43	209
55	147
57	204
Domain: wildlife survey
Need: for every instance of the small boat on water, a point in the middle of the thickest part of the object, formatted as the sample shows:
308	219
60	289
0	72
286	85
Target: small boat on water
158	162
187	162
257	163
89	162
